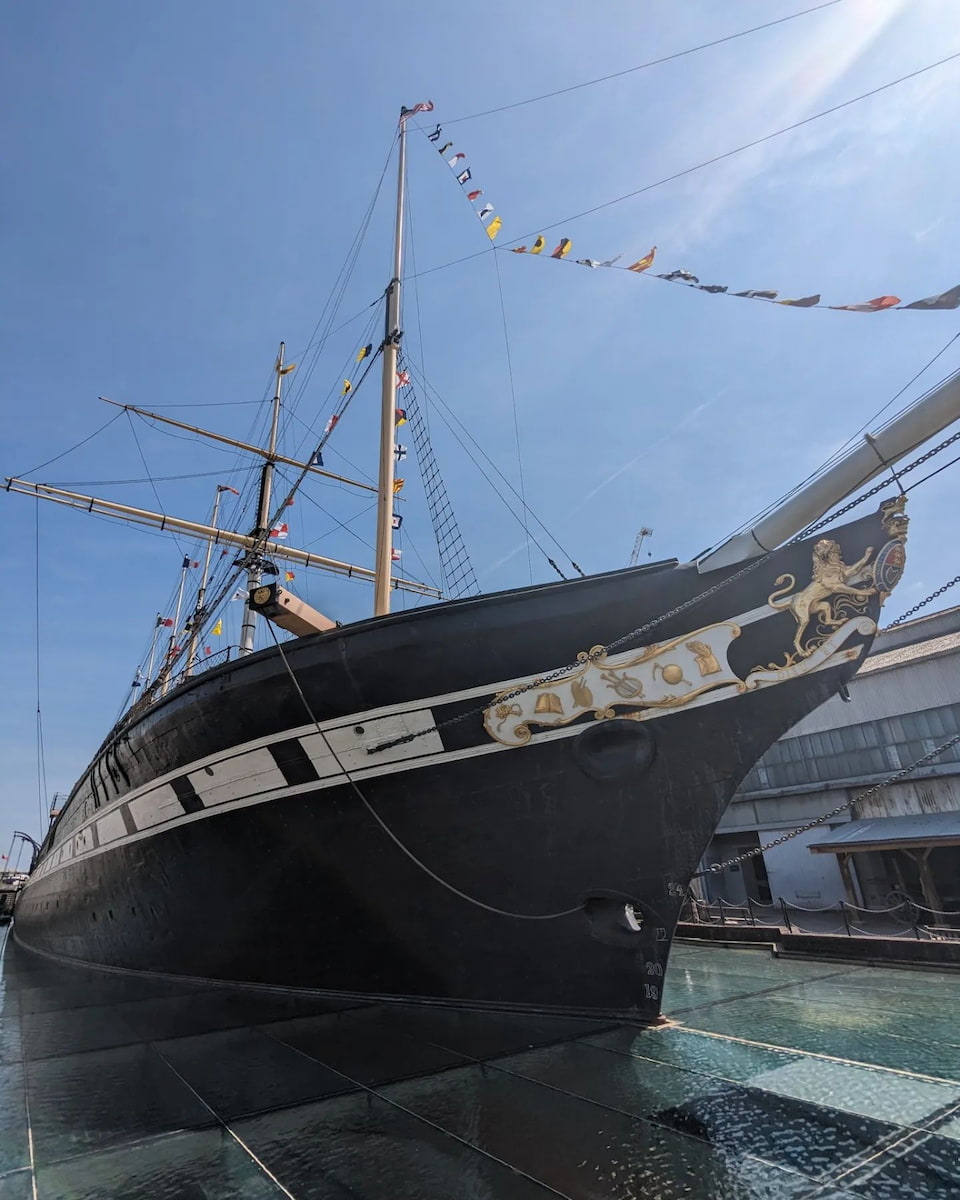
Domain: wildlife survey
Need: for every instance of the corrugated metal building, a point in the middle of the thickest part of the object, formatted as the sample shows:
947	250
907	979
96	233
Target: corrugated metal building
904	701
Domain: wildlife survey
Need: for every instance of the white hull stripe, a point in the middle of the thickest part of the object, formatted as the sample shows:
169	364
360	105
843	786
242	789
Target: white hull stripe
250	774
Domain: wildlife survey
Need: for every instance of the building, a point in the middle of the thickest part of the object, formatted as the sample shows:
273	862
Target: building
903	841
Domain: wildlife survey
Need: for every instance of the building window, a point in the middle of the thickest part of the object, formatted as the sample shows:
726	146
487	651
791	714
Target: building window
856	751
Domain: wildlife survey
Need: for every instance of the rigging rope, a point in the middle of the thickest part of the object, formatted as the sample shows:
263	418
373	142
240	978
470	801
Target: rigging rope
824	466
389	832
447	415
75	446
653	62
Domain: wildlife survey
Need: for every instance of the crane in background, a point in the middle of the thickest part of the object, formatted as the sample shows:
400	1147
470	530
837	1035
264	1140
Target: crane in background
634	557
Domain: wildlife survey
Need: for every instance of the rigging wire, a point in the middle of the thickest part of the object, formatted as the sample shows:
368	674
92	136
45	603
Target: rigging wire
453	558
420	372
75	446
357	470
337	292
444	411
932	473
653	62
149	476
345	370
701	165
344	525
72	483
211	404
749	145
839	452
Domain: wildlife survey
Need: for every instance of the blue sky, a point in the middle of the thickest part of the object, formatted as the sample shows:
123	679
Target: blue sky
182	185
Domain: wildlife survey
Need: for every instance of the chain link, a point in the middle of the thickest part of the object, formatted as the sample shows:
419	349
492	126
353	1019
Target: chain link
917	462
923	603
716	868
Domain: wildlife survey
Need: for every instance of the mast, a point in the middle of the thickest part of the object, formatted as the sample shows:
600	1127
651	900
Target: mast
153	646
171	649
254	575
202	591
929	415
383	561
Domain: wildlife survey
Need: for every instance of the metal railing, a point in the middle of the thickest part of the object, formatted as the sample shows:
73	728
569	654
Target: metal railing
906	918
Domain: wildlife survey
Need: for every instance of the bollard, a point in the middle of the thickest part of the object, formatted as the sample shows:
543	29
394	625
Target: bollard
723	919
846	923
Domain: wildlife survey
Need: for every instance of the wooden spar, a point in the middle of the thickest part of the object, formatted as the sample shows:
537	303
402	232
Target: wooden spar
220	437
143	516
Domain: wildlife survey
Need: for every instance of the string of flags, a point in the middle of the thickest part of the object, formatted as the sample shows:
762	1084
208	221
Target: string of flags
949	299
399	455
464	176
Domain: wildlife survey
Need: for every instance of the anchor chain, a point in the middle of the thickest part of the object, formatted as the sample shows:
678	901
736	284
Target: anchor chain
923	603
716	868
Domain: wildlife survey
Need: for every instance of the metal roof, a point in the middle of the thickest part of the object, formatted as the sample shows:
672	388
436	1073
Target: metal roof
881	659
888	833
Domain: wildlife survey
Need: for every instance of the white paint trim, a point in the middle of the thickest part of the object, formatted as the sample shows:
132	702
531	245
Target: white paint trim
377	725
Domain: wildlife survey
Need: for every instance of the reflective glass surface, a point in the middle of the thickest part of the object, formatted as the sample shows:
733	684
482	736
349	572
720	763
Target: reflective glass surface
770	1079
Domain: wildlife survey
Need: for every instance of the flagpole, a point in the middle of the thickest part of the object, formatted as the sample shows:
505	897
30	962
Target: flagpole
254	575
383	562
201	593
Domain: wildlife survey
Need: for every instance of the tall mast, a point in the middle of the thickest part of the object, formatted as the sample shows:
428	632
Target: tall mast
153	646
383	562
171	648
254	575
202	591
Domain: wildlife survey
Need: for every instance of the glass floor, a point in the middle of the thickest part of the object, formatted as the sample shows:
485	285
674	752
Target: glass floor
775	1079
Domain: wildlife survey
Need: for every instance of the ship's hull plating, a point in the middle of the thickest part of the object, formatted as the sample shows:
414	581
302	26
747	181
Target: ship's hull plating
221	835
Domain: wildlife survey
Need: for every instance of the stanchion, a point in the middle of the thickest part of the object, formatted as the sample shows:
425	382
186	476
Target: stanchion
786	915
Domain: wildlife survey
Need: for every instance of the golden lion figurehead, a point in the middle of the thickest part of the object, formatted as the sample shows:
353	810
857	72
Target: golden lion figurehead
826	558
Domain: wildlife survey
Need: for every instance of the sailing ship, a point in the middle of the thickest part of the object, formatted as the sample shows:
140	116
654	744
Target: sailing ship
494	800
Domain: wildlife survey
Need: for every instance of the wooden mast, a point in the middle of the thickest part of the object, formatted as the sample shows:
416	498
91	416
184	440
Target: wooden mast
254	574
383	560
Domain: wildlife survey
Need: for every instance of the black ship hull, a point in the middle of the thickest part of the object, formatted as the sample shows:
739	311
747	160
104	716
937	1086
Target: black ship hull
425	805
